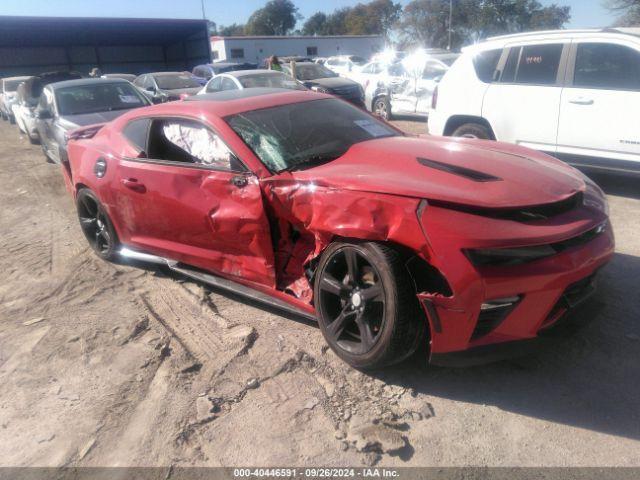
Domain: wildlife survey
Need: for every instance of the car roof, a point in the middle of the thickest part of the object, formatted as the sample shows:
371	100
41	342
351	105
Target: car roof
244	73
230	102
167	74
85	81
230	95
500	41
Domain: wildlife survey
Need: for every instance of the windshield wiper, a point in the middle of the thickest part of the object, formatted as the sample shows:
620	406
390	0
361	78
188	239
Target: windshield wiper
311	161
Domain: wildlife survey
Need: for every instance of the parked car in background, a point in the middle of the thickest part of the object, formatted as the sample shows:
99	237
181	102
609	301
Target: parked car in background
445	56
573	94
343	64
305	202
403	88
65	106
24	112
130	77
28	94
163	87
241	79
320	79
8	96
210	69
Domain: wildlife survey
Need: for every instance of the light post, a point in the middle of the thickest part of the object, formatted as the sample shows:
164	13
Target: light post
450	20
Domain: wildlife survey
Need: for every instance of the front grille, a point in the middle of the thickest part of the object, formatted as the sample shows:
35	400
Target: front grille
520	255
520	214
350	91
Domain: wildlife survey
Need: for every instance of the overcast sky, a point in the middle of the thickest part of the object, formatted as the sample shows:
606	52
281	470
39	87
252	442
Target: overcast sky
585	13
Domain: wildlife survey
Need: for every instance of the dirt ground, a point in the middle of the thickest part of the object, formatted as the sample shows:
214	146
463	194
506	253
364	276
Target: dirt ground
118	365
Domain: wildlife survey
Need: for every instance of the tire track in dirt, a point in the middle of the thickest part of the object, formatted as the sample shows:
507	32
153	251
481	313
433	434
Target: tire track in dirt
205	335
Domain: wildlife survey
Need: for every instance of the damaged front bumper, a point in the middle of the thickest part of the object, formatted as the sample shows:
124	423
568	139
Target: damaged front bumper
495	312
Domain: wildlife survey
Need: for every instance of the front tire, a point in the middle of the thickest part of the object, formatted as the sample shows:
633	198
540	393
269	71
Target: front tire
366	304
97	226
473	130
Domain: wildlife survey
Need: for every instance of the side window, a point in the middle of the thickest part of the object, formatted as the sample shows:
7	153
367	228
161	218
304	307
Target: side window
485	64
187	141
228	84
136	131
214	85
607	66
138	81
237	53
372	68
538	64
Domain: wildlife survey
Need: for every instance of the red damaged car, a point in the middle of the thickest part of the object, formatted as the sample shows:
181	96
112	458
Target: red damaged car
306	202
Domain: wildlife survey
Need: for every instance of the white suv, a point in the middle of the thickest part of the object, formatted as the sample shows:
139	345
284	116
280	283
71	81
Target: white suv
573	94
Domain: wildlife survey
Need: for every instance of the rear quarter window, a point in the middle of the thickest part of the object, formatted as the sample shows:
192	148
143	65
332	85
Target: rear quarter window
137	131
485	64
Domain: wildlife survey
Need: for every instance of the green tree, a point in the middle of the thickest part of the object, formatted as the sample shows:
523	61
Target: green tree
426	22
375	17
498	17
316	24
627	10
277	17
233	30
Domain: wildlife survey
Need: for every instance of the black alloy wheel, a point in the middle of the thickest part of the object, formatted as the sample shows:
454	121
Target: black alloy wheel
366	304
382	108
352	298
96	225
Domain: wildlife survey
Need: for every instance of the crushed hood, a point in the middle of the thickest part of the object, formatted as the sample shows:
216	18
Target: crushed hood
474	173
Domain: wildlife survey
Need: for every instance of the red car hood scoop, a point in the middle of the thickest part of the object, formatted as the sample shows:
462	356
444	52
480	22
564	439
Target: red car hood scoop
474	175
477	174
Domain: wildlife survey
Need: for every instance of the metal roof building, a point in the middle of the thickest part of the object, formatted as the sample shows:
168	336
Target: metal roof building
31	45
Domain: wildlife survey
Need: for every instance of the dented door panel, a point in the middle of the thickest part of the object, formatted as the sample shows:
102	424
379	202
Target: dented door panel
198	216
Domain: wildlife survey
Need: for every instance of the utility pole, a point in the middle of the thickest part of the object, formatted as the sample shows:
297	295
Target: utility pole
450	20
204	17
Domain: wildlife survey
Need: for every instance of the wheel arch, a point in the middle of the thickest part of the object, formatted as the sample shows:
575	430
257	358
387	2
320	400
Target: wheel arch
456	121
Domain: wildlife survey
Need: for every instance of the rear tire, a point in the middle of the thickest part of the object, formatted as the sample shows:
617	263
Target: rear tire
370	318
97	226
12	120
382	107
473	130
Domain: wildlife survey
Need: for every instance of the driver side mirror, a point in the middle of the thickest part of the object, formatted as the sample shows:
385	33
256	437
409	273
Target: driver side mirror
43	114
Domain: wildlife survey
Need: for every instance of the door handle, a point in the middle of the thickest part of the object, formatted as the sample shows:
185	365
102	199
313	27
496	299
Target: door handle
133	184
581	101
240	181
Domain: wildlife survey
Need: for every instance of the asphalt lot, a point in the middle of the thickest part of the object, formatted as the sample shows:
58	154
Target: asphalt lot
105	365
